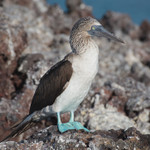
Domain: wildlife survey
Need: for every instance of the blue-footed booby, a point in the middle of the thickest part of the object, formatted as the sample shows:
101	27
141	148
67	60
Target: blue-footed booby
64	86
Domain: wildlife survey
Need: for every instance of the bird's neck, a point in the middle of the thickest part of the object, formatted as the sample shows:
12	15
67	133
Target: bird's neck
85	56
80	43
85	63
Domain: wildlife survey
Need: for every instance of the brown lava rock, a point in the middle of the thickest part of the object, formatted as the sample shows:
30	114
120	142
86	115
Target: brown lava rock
113	21
50	138
13	40
145	31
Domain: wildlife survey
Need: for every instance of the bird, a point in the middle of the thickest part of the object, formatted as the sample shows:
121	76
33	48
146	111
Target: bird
65	85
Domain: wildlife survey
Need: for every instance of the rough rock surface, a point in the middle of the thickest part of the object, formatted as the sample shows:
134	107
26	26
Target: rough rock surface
50	138
13	40
34	36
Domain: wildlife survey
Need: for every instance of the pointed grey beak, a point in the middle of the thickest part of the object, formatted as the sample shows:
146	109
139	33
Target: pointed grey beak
100	31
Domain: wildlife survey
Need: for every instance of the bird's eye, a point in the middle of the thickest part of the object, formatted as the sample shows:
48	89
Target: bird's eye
93	28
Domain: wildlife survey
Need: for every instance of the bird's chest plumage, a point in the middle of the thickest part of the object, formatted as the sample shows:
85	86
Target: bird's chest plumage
85	67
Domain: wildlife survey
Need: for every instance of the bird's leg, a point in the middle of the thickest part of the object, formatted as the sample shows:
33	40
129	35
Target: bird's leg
58	118
71	116
77	125
62	127
69	125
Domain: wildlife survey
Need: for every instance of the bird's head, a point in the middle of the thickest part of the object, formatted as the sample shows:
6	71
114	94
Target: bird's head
87	27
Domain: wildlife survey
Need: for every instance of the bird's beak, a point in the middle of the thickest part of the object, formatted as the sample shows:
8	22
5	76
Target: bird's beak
100	31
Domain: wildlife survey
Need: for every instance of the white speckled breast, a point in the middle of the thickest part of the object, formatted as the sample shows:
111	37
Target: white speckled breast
85	67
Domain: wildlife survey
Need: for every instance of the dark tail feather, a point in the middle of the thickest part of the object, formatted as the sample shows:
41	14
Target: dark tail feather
21	127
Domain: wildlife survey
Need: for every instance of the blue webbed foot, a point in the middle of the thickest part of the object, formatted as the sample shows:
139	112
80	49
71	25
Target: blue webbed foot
65	126
79	126
62	127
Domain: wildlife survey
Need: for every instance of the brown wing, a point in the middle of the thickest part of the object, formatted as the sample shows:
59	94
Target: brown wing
51	85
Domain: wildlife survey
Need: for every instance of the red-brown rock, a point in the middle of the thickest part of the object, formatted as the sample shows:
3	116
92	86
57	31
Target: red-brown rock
13	40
